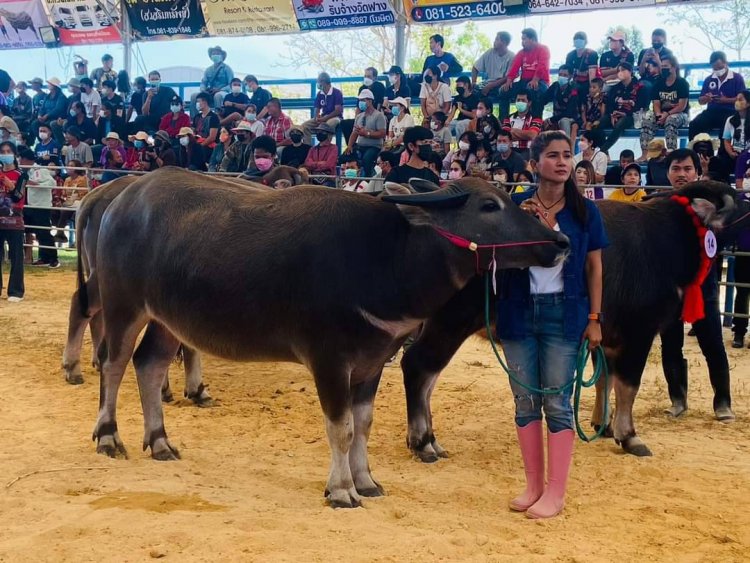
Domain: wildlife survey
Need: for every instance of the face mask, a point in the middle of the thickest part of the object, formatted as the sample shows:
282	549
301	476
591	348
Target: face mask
6	158
236	89
563	80
199	105
139	144
396	111
296	138
665	73
184	141
454	174
43	136
216	59
460	90
105	92
428	79
499	178
503	147
367	81
250	116
321	137
739	105
362	105
487	129
378	170
463	145
392	78
72	113
433	126
583	145
155	83
102	114
657	45
263	164
579	43
424	152
240	137
522	106
350	173
175	108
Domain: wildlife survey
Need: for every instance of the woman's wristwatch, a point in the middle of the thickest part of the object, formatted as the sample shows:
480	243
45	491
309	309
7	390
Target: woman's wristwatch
598	317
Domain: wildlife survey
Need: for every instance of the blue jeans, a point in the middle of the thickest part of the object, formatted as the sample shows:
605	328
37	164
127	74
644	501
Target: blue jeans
544	360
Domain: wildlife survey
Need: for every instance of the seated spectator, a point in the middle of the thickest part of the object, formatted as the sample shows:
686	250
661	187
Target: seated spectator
653	56
85	125
235	103
718	94
736	135
76	187
671	111
22	108
296	153
329	107
622	101
397	88
585	177
53	107
206	125
434	165
495	63
500	175
190	155
589	150
488	125
321	159
385	162
157	103
705	147
39	195
565	99
251	116
441	140
220	150
90	98
524	181
216	80
446	62
434	95
278	124
141	157
351	181
610	60
742	170
532	62
137	98
484	160
37	100
464	108
109	122
631	190
163	153
457	170
400	122
175	119
656	169
522	125
103	73
465	152
47	150
582	64
75	149
371	83
9	131
109	96
238	157
264	158
112	144
417	141
614	173
369	132
260	96
506	157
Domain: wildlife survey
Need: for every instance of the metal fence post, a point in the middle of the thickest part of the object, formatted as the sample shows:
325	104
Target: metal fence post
729	295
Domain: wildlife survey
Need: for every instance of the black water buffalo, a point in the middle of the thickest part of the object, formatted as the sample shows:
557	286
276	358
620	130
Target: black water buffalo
330	279
654	255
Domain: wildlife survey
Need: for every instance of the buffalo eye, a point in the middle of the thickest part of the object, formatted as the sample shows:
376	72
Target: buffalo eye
490	206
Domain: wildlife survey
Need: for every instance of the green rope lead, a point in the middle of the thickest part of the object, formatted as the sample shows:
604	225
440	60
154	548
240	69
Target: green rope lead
578	381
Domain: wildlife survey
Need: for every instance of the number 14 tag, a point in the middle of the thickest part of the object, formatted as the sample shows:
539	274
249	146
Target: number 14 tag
709	244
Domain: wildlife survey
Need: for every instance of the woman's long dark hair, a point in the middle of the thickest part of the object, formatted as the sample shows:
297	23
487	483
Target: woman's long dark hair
15	152
735	120
574	200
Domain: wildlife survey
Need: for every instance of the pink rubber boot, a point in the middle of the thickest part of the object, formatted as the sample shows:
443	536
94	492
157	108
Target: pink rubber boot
560	452
532	452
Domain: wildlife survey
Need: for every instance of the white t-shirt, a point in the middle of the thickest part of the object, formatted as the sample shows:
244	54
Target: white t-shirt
547	280
89	101
396	128
737	144
599	161
435	98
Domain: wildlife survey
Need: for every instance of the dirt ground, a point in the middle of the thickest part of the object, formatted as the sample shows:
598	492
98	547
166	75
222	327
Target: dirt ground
250	484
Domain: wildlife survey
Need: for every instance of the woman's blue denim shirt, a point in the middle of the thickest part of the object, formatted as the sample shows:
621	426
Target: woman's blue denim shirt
514	288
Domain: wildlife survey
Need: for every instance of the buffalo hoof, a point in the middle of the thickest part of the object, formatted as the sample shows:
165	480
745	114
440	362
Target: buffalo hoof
369	487
202	400
634	446
166	396
343	499
111	447
426	456
74	378
164	451
724	414
677	409
608	432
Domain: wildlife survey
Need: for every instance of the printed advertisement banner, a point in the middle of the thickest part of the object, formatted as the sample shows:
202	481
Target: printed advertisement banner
166	19
338	14
541	6
431	11
85	22
20	22
250	17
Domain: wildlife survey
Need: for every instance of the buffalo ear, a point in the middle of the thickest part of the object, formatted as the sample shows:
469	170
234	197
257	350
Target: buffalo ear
706	211
423	186
392	188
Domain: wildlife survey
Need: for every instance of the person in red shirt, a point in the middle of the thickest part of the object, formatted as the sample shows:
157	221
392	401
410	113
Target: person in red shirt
11	219
322	158
522	126
532	64
176	119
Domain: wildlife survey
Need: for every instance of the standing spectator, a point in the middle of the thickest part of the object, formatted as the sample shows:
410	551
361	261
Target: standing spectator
446	62
397	88
488	125
522	125
631	190
278	124
369	132
671	109
216	80
532	62
158	103
417	141
434	95
38	221
47	150
205	124
494	63
736	135
235	103
656	169
137	98
190	154
80	67
329	107
22	109
124	89
296	153
464	109
90	99
175	119
565	98
610	60
614	173
593	107
260	97
321	159
622	101
401	121
105	72
589	147
54	107
75	149
239	155
583	64
220	150
12	198
718	94
741	276
655	54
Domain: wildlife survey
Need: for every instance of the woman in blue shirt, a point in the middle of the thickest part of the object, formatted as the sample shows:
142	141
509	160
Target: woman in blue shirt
543	314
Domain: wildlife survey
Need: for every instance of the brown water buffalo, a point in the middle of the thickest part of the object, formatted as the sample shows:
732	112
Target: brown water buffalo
653	256
322	277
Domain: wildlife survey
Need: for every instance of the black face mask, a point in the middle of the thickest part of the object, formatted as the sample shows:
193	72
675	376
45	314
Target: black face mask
665	73
321	137
460	90
657	45
424	151
240	137
296	138
428	79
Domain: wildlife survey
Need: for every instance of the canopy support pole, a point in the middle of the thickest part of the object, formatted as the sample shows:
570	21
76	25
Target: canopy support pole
400	33
127	45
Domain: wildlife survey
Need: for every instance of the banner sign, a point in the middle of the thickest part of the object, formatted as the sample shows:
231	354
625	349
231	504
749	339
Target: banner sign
542	6
430	11
85	22
338	14
166	19
20	22
250	17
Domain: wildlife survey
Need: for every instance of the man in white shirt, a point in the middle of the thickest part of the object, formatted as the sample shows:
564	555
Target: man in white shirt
494	63
90	98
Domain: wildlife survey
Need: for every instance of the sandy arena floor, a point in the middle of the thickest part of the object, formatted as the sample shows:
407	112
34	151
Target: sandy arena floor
250	485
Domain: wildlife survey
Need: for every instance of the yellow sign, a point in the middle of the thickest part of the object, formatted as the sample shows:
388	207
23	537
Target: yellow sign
249	17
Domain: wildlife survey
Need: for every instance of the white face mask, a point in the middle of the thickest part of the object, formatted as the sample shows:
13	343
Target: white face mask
184	141
367	81
433	126
378	170
236	89
392	78
43	136
102	114
463	145
583	145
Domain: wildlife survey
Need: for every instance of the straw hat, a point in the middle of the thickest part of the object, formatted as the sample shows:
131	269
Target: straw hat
54	81
243	126
139	136
9	125
111	135
704	138
186	131
656	148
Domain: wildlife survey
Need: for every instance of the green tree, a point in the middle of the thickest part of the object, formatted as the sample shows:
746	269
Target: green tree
465	42
634	40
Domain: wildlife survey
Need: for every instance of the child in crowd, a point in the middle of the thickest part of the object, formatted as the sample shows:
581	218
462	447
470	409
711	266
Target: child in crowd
441	140
593	109
631	190
484	159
